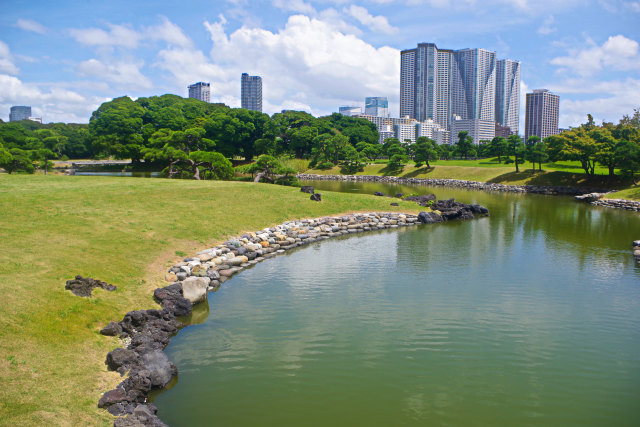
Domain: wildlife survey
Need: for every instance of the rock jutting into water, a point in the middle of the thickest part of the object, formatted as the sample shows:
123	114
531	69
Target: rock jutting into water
636	250
147	332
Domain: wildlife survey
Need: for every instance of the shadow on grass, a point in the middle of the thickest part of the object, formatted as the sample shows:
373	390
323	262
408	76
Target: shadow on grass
420	171
387	171
562	179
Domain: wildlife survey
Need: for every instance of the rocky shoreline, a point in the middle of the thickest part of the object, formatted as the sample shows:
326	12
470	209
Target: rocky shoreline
636	250
457	183
146	333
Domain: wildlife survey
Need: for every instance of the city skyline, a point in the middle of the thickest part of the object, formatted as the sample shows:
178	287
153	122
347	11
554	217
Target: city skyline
251	92
65	60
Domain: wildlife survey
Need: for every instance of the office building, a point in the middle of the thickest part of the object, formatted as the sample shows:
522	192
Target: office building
251	92
350	111
541	114
376	106
201	91
503	131
439	84
19	112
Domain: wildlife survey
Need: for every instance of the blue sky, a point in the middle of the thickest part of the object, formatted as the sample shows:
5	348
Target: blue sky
64	58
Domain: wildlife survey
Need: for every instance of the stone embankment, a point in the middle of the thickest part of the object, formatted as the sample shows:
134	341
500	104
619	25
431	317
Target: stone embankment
636	250
469	185
147	332
599	199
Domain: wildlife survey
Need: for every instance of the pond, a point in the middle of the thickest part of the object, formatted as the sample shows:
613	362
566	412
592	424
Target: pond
530	316
134	174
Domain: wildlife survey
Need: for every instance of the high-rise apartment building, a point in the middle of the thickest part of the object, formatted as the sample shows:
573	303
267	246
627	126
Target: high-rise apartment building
541	114
251	92
201	91
438	84
377	106
508	94
19	112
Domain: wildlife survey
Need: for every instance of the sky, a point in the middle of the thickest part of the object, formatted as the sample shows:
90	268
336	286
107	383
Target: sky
64	58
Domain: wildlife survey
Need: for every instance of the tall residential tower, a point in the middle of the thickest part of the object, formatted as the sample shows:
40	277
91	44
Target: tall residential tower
541	115
251	92
376	106
201	91
440	84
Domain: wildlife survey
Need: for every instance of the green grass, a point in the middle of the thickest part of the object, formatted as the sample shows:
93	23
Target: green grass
125	231
631	193
561	174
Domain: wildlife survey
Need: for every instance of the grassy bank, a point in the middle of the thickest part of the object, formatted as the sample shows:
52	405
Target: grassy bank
125	231
479	170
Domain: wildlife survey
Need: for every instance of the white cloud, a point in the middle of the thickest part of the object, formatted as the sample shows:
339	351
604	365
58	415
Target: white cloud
125	74
633	6
31	25
118	35
295	6
307	63
57	104
617	53
6	60
375	23
168	32
547	26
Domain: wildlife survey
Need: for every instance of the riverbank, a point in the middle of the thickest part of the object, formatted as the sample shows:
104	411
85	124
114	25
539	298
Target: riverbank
123	231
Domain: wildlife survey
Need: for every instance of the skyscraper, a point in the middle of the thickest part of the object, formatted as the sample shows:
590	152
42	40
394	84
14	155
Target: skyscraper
541	115
508	94
377	106
19	112
201	91
349	110
251	92
438	84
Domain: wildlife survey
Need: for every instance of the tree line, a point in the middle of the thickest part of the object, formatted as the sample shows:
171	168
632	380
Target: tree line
190	138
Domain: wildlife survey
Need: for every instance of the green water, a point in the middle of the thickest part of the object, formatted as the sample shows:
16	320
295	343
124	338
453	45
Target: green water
528	317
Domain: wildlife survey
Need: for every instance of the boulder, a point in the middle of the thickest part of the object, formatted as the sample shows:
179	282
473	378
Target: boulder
143	415
170	277
83	286
112	397
171	299
120	357
316	197
195	289
378	193
307	189
394	204
161	370
113	329
429	217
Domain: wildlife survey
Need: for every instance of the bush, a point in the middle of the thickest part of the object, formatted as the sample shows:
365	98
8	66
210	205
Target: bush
325	165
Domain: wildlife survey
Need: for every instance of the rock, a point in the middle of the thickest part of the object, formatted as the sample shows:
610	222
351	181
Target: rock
429	217
205	257
195	289
264	243
394	204
236	260
181	276
316	197
307	189
120	357
399	195
113	329
143	415
378	193
477	209
636	243
213	275
590	197
171	299
422	200
83	287
160	368
170	277
112	397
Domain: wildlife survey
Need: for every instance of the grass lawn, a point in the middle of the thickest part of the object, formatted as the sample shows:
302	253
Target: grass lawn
125	231
485	170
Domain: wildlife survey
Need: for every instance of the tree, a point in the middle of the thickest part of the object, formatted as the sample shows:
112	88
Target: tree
43	156
581	147
529	147
5	157
499	147
539	154
516	149
18	160
424	149
116	127
213	164
605	148
370	151
464	144
352	161
628	154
